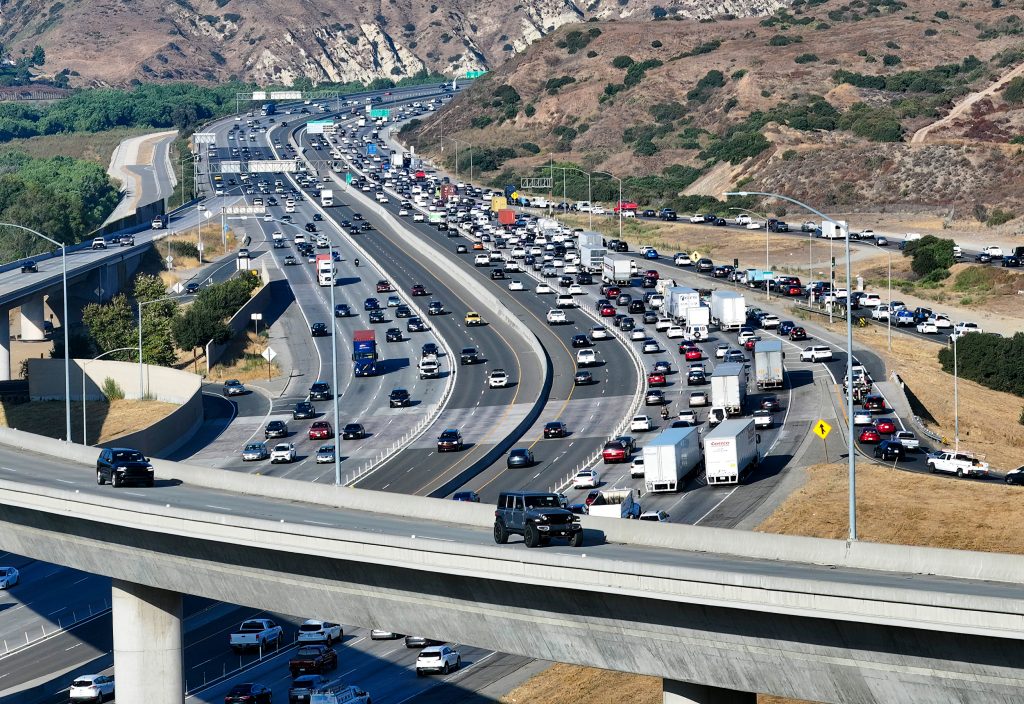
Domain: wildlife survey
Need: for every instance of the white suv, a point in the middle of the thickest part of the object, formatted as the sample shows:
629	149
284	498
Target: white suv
498	379
556	317
816	353
586	358
438	658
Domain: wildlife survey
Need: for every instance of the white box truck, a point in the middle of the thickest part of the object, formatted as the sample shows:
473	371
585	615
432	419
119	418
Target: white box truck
615	503
616	270
590	238
700	315
592	258
728	310
768	356
730	450
664	285
670	457
729	388
679	300
326	197
830	231
325	272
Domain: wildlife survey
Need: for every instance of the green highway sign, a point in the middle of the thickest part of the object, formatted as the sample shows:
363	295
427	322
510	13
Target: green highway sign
475	74
348	177
377	113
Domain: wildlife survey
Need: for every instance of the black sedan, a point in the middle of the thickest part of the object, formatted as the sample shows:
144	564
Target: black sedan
29	267
890	451
353	431
303	410
319	330
581	341
393	335
377	316
771	403
555	429
399	398
342	310
583	378
1015	476
415	324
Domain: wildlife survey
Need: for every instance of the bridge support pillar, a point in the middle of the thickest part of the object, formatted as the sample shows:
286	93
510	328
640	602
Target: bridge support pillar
32	319
147	644
5	344
676	692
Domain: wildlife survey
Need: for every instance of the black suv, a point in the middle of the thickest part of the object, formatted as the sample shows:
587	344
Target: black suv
320	391
121	465
450	439
469	355
399	398
302	410
276	429
537	516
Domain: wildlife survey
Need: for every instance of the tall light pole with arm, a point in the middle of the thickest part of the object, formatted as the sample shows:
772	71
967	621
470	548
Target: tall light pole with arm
849	357
767	288
66	324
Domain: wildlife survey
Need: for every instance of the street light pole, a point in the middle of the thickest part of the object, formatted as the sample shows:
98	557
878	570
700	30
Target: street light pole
65	325
850	449
767	288
956	400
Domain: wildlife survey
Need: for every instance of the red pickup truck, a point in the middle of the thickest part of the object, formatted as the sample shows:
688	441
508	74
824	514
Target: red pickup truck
313	660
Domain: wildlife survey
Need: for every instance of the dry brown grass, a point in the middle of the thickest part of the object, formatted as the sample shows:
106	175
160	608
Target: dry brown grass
213	244
106	420
90	146
242	361
904	508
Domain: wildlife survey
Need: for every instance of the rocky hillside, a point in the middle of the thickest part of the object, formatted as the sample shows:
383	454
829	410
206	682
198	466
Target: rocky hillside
821	100
115	41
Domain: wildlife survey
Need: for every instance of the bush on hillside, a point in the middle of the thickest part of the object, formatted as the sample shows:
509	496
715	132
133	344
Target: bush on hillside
622	61
930	254
991	360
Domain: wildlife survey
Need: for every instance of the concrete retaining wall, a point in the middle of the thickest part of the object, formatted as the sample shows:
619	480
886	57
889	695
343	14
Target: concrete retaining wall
184	389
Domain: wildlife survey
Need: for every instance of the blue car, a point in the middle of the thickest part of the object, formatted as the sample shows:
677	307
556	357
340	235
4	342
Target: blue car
651	254
371	304
786	327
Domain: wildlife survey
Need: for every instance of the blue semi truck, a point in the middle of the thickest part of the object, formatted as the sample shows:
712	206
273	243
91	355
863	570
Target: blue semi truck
364	353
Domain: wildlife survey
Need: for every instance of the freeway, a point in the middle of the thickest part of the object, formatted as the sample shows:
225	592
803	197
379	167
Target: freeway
591	412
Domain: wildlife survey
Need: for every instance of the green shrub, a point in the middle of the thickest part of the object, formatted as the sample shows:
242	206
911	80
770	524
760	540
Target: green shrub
999	216
737	75
184	249
875	124
613	88
112	390
645	148
929	255
506	95
635	73
891	45
703	48
706	86
530	147
806	58
1014	91
553	84
622	61
930	32
481	121
891	60
991	360
736	146
942	15
784	40
789	155
656	44
591	54
666	112
529	110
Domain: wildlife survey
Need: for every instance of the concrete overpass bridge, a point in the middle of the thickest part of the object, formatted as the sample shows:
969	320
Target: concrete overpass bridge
718	614
93	276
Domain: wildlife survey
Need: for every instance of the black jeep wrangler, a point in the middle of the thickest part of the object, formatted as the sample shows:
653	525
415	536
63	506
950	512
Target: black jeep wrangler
537	516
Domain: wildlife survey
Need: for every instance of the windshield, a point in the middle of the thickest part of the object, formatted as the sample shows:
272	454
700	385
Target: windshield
128	456
309	651
254	447
545	501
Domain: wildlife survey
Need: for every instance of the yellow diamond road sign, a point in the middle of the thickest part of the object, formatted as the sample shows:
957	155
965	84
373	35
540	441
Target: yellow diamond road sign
822	429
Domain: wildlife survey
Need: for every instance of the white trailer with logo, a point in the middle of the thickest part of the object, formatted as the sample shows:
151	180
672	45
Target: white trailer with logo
730	451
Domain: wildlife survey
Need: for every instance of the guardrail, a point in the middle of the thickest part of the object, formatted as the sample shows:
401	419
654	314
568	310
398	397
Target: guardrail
79	615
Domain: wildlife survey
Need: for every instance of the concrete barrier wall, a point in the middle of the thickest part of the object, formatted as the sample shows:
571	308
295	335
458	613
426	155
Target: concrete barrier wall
963	564
184	389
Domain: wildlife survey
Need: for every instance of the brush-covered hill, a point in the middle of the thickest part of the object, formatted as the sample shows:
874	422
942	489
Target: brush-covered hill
820	100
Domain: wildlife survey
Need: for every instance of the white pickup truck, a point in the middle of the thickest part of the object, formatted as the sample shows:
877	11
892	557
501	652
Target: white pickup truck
959	463
259	633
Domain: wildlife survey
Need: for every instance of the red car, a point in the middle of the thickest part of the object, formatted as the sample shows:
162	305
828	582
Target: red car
613	292
419	290
614	451
320	430
383	286
652	274
607	311
693	354
797	334
870	436
885	426
656	379
794	291
749	344
591	497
